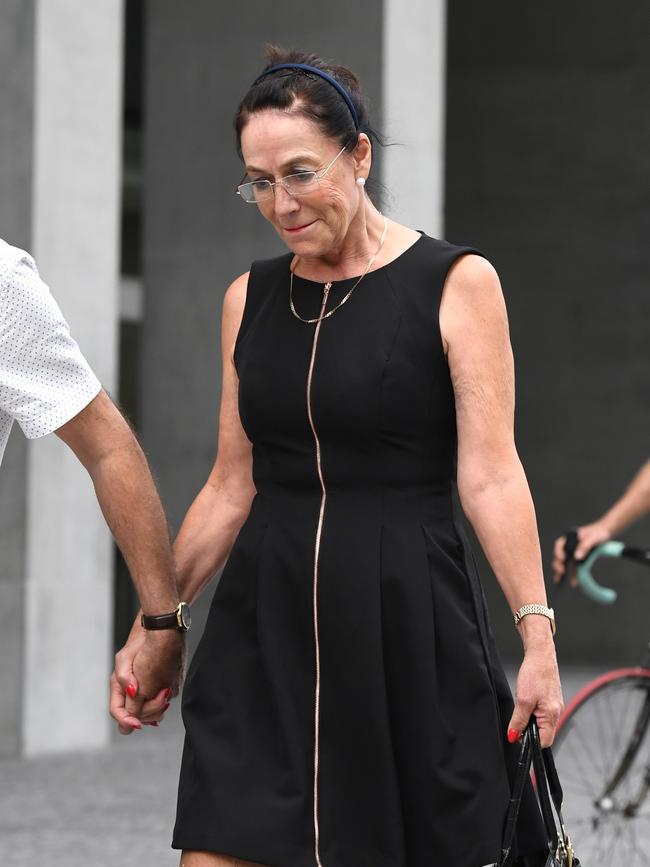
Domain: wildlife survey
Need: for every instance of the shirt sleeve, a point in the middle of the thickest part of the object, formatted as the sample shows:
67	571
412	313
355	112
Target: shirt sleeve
44	378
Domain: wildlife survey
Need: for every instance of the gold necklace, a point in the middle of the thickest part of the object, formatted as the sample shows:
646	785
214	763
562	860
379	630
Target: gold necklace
328	286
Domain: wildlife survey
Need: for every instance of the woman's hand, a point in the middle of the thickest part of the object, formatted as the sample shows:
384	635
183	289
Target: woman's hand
538	693
588	537
148	670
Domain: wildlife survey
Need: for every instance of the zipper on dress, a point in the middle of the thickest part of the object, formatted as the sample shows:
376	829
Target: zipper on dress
319	528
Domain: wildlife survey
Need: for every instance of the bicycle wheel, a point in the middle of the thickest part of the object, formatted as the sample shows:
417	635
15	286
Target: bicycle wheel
602	751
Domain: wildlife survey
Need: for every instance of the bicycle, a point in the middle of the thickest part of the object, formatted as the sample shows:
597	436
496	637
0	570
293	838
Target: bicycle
602	745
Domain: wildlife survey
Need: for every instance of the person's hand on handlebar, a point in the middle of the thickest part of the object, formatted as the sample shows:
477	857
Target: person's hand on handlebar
588	537
634	504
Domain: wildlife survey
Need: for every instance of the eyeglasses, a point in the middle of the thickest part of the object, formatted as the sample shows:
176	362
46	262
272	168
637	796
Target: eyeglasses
254	192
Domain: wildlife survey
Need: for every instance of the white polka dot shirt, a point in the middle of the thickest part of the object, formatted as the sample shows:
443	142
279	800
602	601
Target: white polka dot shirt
44	379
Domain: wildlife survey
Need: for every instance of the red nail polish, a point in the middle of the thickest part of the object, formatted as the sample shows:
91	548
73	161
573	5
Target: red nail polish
168	692
166	707
131	690
513	735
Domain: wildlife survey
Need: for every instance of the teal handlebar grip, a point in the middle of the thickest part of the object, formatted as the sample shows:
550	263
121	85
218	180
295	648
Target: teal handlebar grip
587	582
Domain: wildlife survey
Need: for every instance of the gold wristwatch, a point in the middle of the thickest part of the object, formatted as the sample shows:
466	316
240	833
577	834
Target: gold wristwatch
535	609
178	619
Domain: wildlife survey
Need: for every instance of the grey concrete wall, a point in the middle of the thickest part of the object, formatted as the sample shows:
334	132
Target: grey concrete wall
201	57
16	116
414	92
69	567
16	112
547	172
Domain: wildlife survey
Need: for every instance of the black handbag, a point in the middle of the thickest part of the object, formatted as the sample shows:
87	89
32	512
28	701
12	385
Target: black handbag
549	795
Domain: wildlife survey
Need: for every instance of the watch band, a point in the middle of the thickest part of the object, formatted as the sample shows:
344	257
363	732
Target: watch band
177	619
535	608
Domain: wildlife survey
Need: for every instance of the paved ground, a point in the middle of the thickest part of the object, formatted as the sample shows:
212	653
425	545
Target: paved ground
106	808
103	808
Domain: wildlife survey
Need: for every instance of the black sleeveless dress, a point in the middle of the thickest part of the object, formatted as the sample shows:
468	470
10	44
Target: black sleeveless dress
346	706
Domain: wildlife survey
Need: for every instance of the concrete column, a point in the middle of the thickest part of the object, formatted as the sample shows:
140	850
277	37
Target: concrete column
16	94
66	558
414	82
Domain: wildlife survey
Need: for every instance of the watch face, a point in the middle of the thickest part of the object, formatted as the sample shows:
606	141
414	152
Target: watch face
186	617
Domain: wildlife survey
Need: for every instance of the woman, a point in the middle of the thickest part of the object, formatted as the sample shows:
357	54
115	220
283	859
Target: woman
346	706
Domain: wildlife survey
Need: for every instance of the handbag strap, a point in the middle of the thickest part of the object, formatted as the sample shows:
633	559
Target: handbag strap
545	801
531	752
553	779
548	781
516	794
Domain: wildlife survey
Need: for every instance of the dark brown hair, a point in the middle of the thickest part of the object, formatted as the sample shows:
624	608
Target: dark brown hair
308	94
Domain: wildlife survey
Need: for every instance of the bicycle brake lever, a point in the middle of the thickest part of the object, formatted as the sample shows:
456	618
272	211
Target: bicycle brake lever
570	545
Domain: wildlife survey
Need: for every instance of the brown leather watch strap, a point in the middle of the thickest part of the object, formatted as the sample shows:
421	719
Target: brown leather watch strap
181	619
159	621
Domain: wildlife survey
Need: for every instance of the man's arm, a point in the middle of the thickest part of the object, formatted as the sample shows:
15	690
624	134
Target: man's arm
634	503
47	385
104	443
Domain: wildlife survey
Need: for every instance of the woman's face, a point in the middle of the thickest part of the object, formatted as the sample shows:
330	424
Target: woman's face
275	144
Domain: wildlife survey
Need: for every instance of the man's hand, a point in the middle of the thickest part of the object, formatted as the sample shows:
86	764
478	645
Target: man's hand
148	670
588	537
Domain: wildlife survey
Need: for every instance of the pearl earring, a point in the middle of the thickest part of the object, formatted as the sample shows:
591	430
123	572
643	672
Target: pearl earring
361	182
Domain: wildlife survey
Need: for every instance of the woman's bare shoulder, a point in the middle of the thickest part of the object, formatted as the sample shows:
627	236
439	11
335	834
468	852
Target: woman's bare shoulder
471	273
232	313
234	299
472	281
472	302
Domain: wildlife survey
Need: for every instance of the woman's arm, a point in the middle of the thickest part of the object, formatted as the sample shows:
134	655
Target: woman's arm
215	517
491	480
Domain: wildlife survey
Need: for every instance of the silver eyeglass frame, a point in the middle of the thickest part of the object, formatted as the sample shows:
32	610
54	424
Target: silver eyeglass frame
283	183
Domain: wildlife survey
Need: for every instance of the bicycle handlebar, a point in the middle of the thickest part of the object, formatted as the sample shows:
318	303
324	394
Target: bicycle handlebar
587	582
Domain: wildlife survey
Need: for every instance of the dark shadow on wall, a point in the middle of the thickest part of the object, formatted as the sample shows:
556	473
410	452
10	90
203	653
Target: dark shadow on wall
548	136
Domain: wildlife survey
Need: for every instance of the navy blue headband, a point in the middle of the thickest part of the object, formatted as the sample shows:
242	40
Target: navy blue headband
325	75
